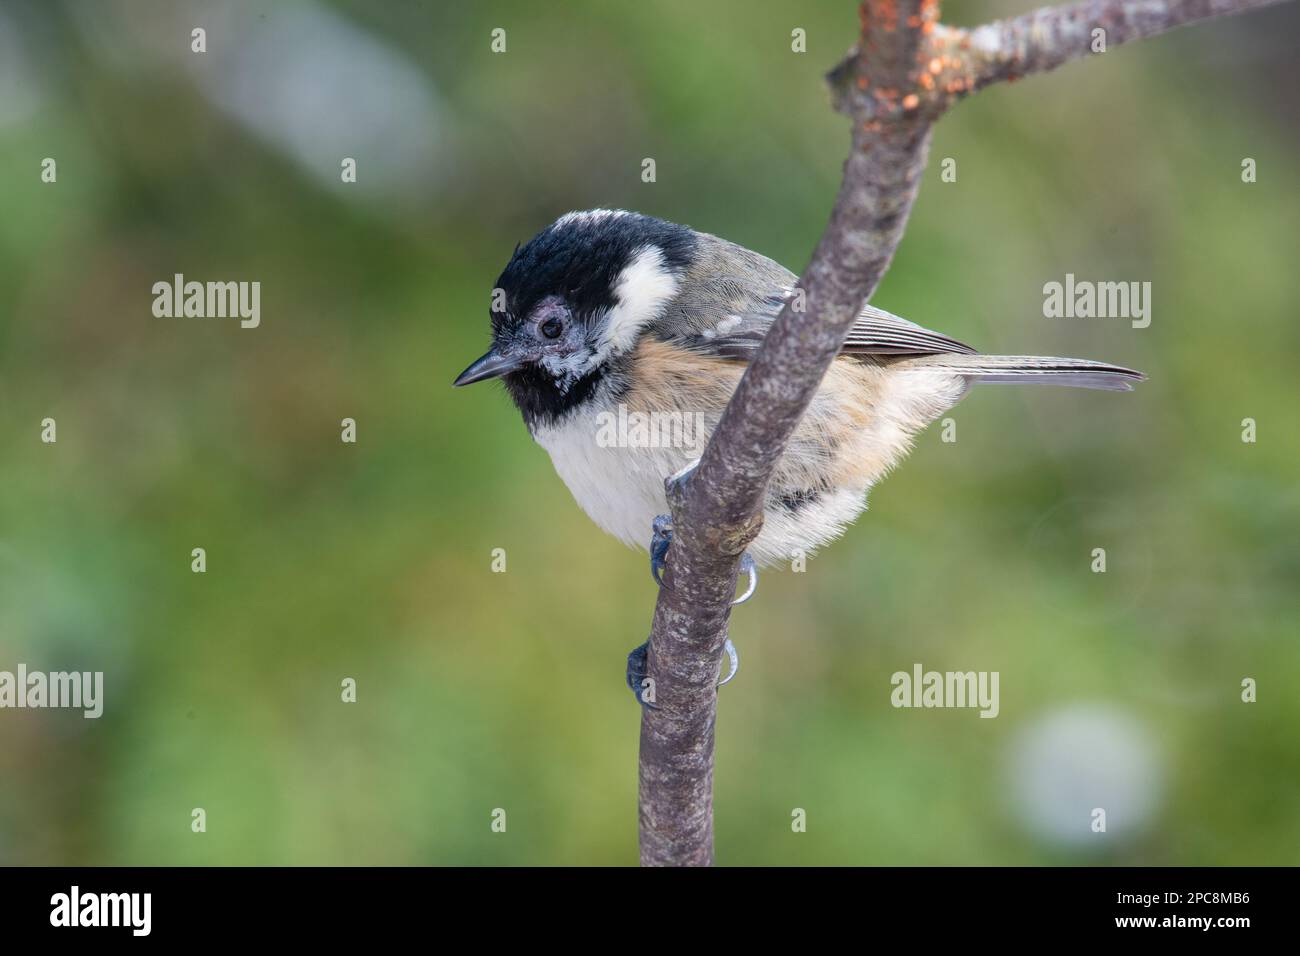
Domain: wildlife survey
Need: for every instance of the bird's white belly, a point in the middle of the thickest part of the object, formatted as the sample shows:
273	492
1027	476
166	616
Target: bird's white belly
620	485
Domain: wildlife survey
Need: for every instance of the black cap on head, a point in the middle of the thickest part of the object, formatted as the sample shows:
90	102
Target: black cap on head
580	256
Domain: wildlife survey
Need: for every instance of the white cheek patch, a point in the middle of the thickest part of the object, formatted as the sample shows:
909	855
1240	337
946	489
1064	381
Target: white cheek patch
644	289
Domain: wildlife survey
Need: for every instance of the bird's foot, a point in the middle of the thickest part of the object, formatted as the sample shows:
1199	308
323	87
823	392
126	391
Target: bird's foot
643	686
662	538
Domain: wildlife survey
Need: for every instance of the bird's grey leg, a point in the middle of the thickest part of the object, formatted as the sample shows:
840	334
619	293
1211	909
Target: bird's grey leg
662	529
661	537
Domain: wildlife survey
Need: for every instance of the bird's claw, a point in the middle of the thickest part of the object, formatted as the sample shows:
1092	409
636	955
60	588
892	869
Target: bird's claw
730	648
747	566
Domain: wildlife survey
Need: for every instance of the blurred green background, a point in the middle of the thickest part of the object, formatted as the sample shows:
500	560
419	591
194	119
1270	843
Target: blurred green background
479	690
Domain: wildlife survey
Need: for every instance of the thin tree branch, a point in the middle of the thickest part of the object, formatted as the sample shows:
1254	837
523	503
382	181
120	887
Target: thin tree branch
905	71
960	61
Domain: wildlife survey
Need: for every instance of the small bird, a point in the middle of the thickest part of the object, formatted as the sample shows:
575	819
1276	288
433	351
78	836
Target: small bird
621	338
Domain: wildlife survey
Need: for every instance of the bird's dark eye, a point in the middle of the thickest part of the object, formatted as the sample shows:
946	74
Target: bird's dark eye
552	328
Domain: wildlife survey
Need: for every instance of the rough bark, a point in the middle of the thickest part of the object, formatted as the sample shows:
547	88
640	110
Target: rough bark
905	71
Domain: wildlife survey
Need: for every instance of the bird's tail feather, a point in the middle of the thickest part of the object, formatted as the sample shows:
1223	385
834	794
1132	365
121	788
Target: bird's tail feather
1027	369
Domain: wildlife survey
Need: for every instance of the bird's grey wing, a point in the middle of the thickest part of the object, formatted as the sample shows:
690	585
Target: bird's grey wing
875	332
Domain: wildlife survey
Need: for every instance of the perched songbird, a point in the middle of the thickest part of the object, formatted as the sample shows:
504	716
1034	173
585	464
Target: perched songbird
621	338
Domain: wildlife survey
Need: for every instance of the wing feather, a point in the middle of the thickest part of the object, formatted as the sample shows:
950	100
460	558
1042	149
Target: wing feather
875	332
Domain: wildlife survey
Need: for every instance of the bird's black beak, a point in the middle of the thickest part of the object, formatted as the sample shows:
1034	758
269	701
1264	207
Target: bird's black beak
492	365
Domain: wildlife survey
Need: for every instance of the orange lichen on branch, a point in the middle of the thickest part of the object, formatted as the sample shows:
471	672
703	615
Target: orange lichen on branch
921	68
878	13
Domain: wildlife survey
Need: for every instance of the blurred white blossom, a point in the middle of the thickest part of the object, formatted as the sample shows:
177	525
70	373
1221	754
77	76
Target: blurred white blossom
1075	760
